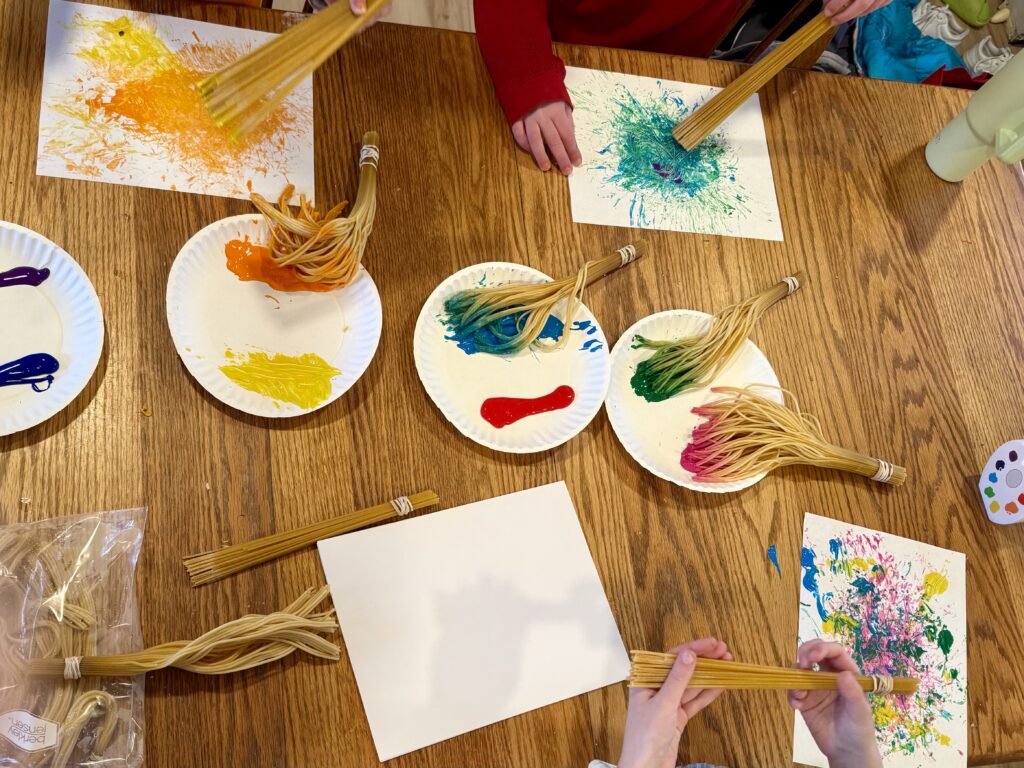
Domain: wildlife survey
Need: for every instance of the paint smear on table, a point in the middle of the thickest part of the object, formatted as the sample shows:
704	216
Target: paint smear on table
302	380
252	262
23	276
635	174
119	105
900	607
34	370
773	557
500	412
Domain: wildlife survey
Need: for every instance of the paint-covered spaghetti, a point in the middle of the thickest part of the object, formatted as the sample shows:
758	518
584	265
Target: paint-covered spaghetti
746	434
325	248
683	364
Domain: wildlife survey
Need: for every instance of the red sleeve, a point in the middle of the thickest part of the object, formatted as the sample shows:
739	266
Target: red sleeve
515	41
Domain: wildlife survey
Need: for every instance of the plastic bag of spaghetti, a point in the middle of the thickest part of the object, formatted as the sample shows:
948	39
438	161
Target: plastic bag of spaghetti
67	589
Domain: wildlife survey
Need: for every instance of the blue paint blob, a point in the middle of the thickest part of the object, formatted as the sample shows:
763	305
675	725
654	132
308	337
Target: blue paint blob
1001	464
35	370
495	338
592	345
993	477
584	325
773	555
862	585
810	579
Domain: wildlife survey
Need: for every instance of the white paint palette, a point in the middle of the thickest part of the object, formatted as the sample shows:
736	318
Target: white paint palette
460	383
216	318
655	433
1002	484
51	329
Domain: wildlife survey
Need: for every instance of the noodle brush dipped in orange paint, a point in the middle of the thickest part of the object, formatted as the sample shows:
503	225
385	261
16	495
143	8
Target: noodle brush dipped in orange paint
249	261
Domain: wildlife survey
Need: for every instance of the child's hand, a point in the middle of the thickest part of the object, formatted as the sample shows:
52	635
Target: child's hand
550	124
840	721
656	719
359	8
839	11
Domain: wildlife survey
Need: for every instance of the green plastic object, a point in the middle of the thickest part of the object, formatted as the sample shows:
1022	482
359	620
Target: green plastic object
975	12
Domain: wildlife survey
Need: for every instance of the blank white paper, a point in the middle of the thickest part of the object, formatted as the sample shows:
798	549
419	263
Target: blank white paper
458	619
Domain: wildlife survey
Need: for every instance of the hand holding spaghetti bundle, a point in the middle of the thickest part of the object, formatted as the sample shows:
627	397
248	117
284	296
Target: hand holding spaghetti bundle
683	364
649	670
746	434
244	643
505	319
327	248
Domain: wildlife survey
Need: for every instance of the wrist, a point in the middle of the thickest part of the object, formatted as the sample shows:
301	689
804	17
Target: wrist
866	759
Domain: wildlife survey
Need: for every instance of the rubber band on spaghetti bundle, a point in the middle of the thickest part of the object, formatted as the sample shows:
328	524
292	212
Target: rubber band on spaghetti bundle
745	433
694	361
505	319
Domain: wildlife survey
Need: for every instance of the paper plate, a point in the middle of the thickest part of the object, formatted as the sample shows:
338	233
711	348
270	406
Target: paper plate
655	433
459	383
217	319
60	317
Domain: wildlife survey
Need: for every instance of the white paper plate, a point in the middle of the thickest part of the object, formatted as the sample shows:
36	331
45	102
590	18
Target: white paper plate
459	382
61	317
655	433
209	311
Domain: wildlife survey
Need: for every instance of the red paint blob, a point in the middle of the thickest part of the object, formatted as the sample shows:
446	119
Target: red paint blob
501	411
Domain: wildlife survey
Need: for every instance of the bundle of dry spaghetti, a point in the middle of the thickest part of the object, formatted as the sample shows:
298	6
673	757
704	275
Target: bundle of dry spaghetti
241	644
248	90
211	566
505	319
746	434
683	364
649	670
65	591
699	124
327	248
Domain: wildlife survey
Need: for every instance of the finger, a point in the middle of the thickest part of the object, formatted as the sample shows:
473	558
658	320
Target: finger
702	647
536	141
832	7
702	699
678	677
567	130
852	11
555	146
640	695
833	657
804	651
519	134
853	694
794	701
358	6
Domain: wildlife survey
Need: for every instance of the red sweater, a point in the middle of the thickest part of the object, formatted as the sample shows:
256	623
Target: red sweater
515	38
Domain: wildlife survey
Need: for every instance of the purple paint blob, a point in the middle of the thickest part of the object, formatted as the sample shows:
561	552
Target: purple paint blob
23	276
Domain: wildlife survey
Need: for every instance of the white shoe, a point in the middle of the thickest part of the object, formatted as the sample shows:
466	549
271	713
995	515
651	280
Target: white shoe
986	56
939	21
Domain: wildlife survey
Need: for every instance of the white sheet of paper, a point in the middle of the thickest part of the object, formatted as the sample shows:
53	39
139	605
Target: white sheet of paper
458	619
882	595
118	106
634	174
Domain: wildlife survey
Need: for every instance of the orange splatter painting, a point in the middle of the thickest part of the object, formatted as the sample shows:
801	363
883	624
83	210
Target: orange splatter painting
120	105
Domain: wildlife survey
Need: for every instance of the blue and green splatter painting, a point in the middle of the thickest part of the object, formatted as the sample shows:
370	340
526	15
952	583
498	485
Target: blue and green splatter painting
641	167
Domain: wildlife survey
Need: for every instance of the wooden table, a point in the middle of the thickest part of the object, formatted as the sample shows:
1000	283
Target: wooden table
907	342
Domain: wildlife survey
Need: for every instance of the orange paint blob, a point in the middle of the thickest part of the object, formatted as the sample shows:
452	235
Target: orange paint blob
251	262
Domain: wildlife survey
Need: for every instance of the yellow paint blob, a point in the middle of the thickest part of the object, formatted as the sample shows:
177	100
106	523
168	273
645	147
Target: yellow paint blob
884	714
943	739
303	380
934	584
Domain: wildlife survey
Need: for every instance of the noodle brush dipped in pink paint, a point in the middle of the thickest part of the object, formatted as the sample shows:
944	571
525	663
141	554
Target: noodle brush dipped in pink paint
746	434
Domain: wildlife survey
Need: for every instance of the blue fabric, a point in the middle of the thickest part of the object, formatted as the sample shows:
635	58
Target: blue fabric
891	47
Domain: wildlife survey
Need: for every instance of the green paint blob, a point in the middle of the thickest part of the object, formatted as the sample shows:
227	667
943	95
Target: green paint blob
945	641
989	492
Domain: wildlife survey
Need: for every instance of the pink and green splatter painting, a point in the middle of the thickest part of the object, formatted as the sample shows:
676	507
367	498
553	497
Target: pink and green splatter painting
900	607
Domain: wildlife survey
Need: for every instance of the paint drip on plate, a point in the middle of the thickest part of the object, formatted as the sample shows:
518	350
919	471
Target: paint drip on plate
302	380
34	370
23	276
252	262
500	412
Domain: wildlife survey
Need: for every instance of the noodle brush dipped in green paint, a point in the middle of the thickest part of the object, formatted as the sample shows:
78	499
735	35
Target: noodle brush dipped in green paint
682	364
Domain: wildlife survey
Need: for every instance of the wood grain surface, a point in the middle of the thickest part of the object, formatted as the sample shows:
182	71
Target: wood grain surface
906	342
